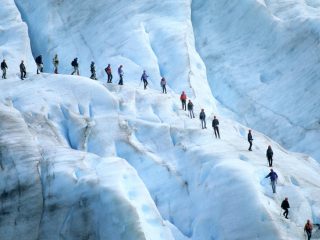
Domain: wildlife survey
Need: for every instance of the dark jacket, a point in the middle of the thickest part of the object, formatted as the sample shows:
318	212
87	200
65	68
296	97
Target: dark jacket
3	65
190	106
75	63
269	153
202	116
215	122
250	136
285	204
273	176
92	67
39	60
22	67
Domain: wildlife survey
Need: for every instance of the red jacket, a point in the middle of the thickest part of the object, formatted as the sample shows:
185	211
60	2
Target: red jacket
108	70
183	96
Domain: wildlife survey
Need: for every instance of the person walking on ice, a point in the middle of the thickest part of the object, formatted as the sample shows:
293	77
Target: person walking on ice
269	155
109	73
202	117
144	78
93	71
183	99
190	109
250	139
121	73
55	62
308	229
39	64
75	66
273	178
215	125
163	84
285	206
23	70
4	67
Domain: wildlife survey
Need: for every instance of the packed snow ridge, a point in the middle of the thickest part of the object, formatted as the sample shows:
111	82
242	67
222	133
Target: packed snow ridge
84	159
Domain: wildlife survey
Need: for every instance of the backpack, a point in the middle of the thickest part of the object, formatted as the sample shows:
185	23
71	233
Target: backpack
73	63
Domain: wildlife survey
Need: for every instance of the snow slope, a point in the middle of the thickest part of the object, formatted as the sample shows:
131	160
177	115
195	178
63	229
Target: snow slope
262	61
80	137
157	38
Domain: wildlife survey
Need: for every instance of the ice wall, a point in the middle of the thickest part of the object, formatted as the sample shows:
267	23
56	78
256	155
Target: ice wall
262	61
141	36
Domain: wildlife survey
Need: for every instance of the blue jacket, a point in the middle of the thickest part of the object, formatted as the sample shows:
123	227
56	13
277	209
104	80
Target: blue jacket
273	176
144	77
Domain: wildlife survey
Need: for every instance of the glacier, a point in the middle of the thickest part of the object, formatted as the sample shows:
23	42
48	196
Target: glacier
262	60
83	159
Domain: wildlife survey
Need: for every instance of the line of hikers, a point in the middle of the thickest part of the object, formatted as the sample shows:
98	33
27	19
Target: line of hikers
202	115
273	181
75	65
269	154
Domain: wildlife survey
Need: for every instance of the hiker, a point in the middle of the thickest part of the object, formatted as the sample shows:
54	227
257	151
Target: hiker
250	139
120	72
23	70
75	66
163	84
285	206
215	125
144	78
308	229
269	155
55	62
183	99
93	71
273	178
202	117
39	64
190	109
4	67
109	73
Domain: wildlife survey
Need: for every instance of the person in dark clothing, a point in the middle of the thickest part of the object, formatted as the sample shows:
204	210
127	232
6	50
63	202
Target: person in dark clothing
144	78
55	62
269	155
163	84
250	139
202	117
190	109
39	64
93	71
121	73
308	229
4	67
183	99
75	66
215	125
273	178
109	73
23	70
285	206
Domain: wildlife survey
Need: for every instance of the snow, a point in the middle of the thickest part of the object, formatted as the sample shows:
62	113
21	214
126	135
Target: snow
262	62
14	40
84	159
108	156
